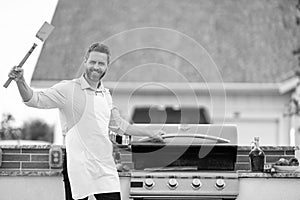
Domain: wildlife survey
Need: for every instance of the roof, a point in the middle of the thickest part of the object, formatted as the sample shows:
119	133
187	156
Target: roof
175	41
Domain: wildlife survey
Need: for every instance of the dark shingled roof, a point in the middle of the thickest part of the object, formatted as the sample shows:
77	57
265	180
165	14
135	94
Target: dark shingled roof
249	41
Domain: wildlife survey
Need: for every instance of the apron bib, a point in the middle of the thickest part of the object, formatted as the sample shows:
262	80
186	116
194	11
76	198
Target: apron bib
91	167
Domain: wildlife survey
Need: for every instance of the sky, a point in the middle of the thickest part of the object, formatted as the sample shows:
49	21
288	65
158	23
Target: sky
19	21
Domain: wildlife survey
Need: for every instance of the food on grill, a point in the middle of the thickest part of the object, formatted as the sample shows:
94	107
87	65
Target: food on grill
293	162
284	162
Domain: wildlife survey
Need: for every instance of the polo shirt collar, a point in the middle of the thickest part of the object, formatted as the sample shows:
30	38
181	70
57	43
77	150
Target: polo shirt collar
85	85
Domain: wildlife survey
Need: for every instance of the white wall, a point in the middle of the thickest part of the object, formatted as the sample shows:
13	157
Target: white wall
256	113
42	188
269	188
31	188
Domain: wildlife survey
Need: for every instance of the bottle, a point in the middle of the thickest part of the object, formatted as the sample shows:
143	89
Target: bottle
256	156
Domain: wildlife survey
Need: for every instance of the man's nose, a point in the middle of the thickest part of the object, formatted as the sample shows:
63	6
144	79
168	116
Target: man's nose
98	65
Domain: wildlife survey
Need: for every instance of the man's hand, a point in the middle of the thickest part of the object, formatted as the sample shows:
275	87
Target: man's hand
16	73
154	135
157	136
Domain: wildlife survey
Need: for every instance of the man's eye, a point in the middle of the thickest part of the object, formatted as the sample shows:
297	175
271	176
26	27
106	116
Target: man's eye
92	62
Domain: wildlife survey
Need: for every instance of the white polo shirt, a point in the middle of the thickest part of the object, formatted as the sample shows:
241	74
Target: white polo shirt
69	97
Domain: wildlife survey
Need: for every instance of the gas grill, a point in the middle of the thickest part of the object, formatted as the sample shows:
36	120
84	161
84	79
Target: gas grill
196	162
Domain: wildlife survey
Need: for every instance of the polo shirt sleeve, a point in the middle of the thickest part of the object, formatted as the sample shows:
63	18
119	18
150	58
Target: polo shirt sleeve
117	124
54	97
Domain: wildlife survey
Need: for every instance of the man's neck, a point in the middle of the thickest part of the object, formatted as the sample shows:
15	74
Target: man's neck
93	84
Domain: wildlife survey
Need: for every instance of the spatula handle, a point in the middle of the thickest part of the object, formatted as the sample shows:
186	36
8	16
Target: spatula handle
6	84
21	64
27	55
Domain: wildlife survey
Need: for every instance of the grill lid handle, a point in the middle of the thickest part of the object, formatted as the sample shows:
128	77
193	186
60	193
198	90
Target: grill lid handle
190	135
201	136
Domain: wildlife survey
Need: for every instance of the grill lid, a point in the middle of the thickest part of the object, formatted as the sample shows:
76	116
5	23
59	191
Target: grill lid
190	134
204	147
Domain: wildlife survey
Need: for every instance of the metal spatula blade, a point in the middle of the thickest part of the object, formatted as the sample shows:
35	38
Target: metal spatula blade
42	35
44	31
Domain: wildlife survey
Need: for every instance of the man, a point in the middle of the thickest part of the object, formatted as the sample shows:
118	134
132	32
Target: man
87	113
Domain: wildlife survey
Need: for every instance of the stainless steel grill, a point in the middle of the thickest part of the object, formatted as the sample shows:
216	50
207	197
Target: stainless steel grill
195	162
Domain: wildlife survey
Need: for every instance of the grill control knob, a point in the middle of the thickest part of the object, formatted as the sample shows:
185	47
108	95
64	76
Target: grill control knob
196	183
149	183
172	183
220	184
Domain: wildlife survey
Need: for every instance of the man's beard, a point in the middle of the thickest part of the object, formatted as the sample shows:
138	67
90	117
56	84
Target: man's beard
90	76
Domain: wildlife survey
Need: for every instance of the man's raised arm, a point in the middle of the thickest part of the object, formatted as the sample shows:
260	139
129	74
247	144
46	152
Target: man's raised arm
54	97
16	74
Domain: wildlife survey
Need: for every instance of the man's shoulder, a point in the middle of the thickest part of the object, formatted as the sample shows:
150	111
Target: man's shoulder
70	82
67	84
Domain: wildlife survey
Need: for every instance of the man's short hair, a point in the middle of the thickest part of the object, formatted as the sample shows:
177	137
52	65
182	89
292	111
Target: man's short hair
98	47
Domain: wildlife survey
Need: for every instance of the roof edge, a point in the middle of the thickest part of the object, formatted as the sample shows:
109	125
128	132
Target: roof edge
270	88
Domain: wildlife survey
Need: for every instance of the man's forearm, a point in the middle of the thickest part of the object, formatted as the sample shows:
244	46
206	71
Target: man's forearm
136	131
119	125
25	91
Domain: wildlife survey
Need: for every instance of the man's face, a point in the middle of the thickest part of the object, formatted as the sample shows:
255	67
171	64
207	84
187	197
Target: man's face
96	66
